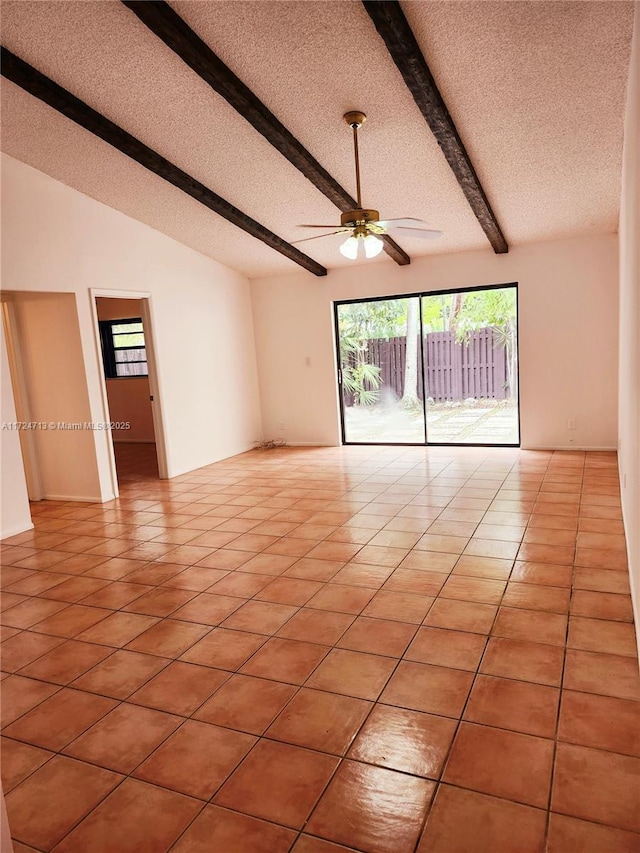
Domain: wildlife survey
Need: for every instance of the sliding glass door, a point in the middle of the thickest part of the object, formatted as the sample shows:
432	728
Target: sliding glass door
380	371
437	368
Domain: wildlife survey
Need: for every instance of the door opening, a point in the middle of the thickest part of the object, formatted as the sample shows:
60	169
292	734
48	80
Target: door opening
128	366
438	368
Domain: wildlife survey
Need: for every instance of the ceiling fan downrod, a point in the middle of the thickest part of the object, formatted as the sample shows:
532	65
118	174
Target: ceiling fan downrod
355	119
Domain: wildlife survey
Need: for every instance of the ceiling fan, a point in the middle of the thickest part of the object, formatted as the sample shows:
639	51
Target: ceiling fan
364	225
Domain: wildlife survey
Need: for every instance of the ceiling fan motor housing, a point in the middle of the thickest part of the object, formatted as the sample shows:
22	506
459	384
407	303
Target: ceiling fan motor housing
351	218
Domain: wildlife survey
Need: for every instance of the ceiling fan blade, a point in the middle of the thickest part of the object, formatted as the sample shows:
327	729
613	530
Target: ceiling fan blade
408	222
319	236
423	233
316	226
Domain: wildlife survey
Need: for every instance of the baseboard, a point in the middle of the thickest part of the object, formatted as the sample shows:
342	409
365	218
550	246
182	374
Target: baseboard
309	444
92	499
582	448
14	531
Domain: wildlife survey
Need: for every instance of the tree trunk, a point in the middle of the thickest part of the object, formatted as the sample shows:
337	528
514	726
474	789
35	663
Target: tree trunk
410	395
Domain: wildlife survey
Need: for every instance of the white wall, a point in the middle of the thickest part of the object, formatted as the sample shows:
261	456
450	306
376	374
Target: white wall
129	397
54	373
629	435
568	336
14	508
56	239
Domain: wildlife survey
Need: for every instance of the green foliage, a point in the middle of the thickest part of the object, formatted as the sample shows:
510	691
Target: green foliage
363	381
368	320
359	322
466	312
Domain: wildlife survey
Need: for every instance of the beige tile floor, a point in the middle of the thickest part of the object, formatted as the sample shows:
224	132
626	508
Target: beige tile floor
384	650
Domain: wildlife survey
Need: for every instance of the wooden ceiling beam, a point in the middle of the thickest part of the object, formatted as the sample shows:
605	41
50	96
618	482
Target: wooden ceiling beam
37	84
170	28
394	29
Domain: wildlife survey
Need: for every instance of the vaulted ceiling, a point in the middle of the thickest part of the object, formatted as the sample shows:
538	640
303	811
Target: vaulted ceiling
535	89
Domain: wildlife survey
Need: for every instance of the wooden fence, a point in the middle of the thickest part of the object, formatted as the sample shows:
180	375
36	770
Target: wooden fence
454	371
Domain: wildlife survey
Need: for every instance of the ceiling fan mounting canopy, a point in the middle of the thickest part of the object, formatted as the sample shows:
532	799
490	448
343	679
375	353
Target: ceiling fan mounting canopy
355	119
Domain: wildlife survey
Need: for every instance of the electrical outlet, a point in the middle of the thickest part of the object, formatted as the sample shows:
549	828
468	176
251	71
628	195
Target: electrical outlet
571	423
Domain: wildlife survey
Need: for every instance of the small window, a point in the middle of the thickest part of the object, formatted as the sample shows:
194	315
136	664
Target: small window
123	348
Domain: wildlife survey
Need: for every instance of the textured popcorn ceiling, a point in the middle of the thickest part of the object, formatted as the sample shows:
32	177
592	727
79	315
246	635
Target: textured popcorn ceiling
536	90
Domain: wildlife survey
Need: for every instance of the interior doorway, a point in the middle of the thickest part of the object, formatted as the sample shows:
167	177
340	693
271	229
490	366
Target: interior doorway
129	386
438	368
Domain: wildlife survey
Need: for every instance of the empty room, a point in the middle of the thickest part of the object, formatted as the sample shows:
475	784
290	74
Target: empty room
320	506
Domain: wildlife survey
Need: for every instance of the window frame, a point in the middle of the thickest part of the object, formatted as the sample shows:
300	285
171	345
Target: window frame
109	348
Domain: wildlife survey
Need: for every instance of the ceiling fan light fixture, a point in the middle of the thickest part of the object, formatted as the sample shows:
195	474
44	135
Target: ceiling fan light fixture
372	245
350	248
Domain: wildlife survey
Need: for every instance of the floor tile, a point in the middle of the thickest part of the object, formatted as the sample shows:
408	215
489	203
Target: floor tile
602	722
245	703
208	609
461	616
261	617
516	705
327	722
160	601
294	591
377	636
523	660
609	675
118	629
317	626
20	694
401	606
196	759
44	807
352	673
340	598
278	782
240	584
442	647
60	719
180	688
483	590
136	818
601	605
462	821
491	761
66	662
416	581
352	557
29	613
291	661
543	574
71	621
169	638
309	844
531	625
19	760
569	833
600	580
372	809
20	650
433	689
123	738
224	649
597	785
403	740
530	596
121	674
224	830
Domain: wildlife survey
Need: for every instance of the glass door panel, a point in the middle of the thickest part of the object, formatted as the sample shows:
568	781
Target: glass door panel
470	352
381	375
